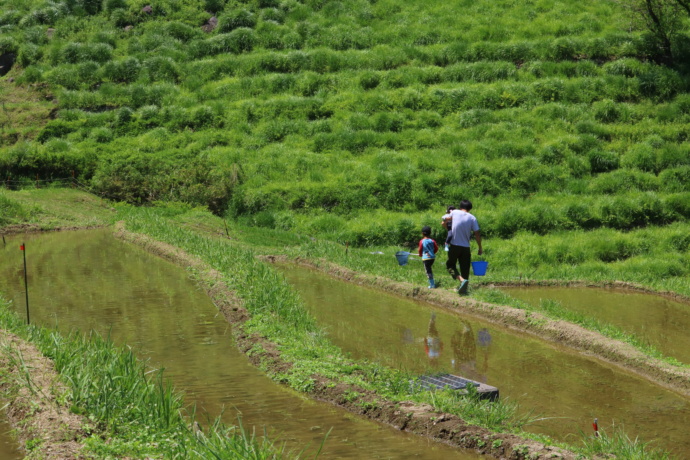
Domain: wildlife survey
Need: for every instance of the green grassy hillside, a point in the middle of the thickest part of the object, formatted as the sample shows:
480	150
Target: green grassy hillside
360	121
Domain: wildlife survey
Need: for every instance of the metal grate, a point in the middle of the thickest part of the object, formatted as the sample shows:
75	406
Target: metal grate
430	382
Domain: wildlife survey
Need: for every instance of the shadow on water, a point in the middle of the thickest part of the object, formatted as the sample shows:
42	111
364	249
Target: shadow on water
570	389
658	321
88	280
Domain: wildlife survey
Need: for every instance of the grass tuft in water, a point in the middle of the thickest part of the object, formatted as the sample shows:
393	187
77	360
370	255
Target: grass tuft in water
497	415
620	443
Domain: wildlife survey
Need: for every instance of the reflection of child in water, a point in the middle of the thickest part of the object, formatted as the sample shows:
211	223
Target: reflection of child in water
432	342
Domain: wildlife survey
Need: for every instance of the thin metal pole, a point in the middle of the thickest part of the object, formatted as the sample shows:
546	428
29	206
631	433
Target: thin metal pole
26	286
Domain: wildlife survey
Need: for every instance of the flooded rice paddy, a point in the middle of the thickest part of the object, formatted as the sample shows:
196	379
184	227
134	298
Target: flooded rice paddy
8	445
658	321
568	389
88	280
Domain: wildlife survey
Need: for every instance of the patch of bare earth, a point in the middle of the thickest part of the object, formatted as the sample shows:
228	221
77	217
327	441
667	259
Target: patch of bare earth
36	402
20	228
406	416
33	228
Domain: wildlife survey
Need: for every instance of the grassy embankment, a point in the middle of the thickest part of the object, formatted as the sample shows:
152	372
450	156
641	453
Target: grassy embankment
551	116
278	315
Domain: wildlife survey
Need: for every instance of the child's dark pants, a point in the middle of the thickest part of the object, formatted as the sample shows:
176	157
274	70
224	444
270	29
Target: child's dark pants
427	266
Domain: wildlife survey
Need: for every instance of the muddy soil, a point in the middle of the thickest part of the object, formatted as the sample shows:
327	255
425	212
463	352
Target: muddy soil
411	417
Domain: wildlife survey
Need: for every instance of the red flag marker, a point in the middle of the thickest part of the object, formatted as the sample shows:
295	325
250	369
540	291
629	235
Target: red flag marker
21	247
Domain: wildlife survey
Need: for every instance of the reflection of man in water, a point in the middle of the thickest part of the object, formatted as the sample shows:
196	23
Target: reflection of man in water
465	352
432	342
484	342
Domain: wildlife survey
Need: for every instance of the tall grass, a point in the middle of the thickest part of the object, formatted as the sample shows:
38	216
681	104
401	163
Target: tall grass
625	448
475	410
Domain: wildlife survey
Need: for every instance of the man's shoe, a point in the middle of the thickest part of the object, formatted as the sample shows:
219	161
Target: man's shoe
463	287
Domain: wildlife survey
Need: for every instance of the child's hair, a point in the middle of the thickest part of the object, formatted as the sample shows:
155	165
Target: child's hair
426	230
450	208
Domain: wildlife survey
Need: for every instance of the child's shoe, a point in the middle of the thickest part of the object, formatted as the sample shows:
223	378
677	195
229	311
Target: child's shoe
432	284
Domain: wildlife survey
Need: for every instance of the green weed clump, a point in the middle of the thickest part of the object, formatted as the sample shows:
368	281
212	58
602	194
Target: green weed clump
13	212
619	442
475	410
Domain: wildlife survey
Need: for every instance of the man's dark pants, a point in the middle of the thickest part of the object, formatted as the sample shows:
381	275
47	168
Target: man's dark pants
462	255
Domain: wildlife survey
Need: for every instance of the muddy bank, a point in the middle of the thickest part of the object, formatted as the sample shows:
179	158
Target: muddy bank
407	416
562	332
36	403
16	229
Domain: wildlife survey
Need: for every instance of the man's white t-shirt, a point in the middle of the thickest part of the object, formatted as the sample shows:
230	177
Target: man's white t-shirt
464	224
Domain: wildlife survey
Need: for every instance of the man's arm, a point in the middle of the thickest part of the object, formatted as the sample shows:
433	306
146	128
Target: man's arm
478	238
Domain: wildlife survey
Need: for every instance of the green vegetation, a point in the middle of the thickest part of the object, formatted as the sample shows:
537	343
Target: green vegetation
52	208
134	413
625	448
358	121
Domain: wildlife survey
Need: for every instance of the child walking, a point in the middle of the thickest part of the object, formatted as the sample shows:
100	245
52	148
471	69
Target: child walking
427	251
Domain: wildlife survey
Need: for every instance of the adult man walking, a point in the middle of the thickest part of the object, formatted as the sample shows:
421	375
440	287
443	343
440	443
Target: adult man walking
463	227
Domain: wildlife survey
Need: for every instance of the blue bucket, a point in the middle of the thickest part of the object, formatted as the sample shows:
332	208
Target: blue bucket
479	268
402	257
